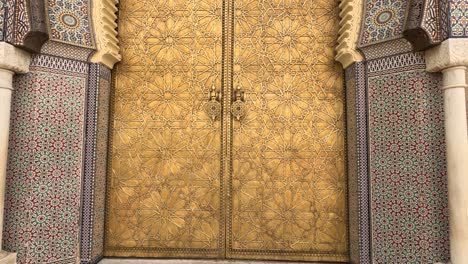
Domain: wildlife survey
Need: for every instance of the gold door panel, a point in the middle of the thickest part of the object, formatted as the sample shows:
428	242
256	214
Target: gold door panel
288	169
260	177
164	191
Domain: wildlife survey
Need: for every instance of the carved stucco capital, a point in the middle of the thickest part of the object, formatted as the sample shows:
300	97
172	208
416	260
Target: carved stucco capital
450	53
351	14
105	28
14	59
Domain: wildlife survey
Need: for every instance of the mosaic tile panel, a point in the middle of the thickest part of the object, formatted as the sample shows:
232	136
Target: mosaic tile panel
423	24
17	21
358	183
101	164
458	18
89	168
60	49
444	21
3	11
70	22
431	20
407	162
353	207
388	48
94	182
45	162
7	19
384	20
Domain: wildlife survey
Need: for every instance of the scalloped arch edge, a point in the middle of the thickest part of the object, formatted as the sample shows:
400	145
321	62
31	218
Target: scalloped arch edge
105	28
351	14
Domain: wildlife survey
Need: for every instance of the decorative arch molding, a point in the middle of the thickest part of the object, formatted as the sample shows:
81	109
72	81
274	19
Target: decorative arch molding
351	16
105	27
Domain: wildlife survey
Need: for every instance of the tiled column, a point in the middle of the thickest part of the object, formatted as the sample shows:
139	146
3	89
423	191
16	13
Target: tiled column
12	60
451	58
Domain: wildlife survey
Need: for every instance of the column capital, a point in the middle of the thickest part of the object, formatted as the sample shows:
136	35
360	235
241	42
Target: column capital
7	258
450	53
14	59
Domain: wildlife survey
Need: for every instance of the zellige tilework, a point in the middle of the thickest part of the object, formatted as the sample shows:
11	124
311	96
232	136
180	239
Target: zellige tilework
383	20
409	216
70	22
45	162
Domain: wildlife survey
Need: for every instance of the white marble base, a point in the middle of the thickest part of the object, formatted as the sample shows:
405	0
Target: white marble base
190	261
7	258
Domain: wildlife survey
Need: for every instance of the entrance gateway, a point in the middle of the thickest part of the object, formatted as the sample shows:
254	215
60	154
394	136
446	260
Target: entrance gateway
228	132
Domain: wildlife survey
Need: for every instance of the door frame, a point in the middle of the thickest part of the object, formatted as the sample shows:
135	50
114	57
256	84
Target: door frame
105	16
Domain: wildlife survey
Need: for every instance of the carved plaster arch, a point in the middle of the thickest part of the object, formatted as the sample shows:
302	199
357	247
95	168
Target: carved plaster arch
105	27
351	15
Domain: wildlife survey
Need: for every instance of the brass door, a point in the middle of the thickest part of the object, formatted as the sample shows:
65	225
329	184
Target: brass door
228	132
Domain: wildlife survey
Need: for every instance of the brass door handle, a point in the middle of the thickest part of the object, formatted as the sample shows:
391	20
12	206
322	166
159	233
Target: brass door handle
238	109
213	107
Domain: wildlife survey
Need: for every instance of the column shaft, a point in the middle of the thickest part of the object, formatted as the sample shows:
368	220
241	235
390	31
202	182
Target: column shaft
6	78
456	134
12	60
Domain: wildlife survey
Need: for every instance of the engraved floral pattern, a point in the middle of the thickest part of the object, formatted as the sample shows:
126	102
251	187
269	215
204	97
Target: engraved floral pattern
288	179
165	194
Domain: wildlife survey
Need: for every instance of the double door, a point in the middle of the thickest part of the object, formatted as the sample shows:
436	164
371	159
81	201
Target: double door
228	132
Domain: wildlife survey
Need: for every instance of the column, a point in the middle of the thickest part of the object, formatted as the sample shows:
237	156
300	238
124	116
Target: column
454	84
12	60
451	58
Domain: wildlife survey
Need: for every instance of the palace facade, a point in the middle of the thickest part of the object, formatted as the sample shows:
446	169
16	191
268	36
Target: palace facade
295	130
